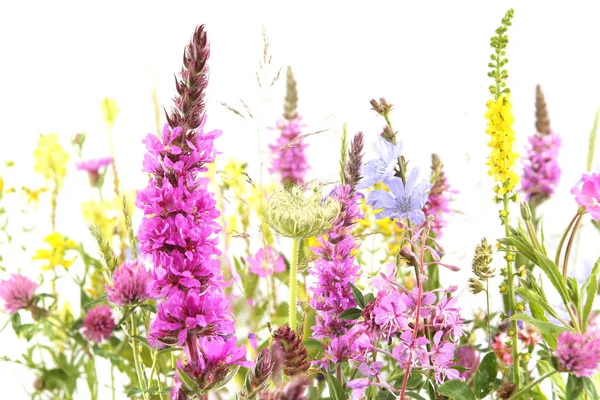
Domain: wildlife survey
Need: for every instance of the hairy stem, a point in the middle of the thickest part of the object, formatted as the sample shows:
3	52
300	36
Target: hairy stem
293	283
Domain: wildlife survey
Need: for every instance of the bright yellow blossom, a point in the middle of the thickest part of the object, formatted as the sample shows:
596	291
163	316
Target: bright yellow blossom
33	195
502	157
59	245
50	158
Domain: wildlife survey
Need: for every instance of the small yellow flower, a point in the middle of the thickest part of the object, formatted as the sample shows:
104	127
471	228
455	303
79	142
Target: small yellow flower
50	158
59	245
110	111
33	195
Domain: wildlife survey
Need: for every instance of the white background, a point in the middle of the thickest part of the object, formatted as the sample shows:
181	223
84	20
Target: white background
59	60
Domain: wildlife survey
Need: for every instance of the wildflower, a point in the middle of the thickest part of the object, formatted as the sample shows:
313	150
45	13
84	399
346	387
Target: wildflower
578	354
382	168
209	367
130	284
266	261
411	352
502	351
17	292
289	157
98	324
502	157
588	196
50	158
446	316
95	169
402	200
439	196
290	213
541	172
358	387
59	245
469	359
390	313
33	195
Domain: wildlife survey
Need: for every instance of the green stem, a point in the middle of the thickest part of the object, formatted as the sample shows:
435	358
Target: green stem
570	244
112	381
293	283
136	356
487	297
154	369
511	303
532	385
562	240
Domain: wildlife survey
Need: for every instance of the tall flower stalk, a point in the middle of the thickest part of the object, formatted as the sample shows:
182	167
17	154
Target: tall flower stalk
502	160
180	234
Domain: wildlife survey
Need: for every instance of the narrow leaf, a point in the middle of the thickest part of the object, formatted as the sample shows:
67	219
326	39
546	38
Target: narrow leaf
358	296
590	287
351	313
544	327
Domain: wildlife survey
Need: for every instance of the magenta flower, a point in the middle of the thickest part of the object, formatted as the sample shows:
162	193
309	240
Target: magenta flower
95	168
274	262
541	172
447	317
358	387
94	165
98	324
578	354
214	358
390	313
17	292
438	203
289	158
131	284
588	196
411	352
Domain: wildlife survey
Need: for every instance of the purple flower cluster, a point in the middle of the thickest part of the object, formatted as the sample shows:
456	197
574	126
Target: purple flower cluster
541	172
98	324
578	354
131	284
438	203
266	261
95	169
180	235
180	231
289	157
17	292
335	269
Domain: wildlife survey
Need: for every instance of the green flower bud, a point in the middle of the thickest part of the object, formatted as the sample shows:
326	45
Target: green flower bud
475	285
291	213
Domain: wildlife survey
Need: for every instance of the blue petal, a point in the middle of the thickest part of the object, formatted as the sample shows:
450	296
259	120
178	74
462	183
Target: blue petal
396	186
381	199
417	217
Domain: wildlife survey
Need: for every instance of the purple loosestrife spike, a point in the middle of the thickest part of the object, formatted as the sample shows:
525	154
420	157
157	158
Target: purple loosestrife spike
355	156
131	284
180	231
295	355
439	196
578	354
542	120
188	111
289	158
98	324
17	292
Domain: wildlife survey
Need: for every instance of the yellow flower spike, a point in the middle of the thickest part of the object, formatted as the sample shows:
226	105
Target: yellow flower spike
50	158
56	255
1	184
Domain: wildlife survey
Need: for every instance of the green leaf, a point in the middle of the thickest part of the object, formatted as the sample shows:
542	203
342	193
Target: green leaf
544	327
590	287
96	301
335	389
538	313
92	379
351	313
590	388
358	296
369	297
485	376
544	367
148	307
574	387
414	395
133	390
532	297
189	383
456	390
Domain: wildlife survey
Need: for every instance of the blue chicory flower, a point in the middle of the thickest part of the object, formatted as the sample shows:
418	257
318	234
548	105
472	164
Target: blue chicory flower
382	168
402	200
